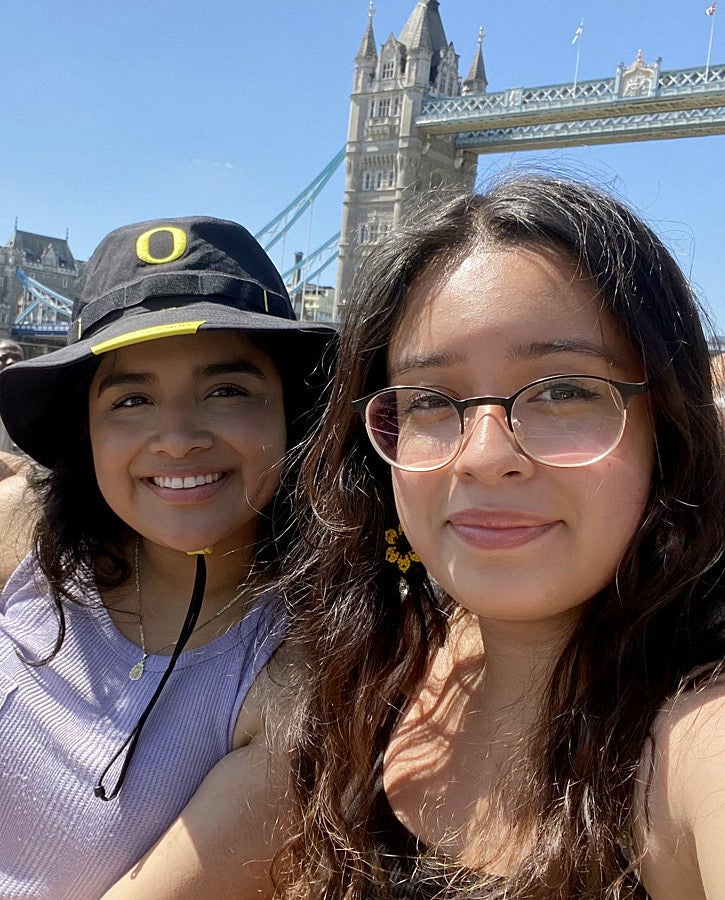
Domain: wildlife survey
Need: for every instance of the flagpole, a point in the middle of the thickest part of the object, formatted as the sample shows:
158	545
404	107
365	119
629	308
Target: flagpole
578	41
709	46
576	66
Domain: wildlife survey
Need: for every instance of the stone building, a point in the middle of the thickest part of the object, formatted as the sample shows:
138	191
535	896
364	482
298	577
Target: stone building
46	259
387	162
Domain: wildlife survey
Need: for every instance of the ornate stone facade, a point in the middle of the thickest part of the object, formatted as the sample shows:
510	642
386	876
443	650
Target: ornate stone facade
388	163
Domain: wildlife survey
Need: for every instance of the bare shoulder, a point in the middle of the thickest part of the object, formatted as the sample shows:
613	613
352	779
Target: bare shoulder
270	699
17	519
11	464
683	787
690	748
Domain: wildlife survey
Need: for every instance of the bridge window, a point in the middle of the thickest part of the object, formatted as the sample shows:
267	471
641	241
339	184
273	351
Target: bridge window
367	181
383	109
389	69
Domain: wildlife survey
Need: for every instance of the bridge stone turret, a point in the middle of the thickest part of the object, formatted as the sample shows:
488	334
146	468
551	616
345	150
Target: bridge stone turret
388	160
476	82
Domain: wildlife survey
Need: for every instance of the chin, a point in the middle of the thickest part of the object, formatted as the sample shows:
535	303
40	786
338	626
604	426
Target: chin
512	602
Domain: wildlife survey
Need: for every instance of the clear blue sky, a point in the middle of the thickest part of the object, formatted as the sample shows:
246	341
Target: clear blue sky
113	112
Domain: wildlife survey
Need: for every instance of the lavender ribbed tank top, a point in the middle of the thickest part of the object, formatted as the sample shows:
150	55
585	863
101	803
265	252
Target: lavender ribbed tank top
61	723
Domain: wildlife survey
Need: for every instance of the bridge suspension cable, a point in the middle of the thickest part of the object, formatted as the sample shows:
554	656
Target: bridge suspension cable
311	257
275	230
46	312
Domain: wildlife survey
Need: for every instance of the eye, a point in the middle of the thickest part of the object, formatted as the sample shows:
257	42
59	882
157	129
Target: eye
229	390
130	401
424	401
564	392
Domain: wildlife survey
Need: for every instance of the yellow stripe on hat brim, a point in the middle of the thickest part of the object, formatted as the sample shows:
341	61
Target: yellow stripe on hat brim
146	334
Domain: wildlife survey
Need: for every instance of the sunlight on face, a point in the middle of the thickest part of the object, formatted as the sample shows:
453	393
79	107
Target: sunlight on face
188	434
507	537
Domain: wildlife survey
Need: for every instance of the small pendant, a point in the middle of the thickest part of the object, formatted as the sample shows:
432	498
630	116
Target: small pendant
137	670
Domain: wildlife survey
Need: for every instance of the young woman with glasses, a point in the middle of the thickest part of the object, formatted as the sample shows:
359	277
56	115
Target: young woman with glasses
511	588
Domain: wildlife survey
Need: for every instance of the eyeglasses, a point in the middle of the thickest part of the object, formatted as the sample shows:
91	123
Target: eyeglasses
564	421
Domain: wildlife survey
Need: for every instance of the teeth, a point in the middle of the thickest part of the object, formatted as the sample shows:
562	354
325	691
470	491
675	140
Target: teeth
191	481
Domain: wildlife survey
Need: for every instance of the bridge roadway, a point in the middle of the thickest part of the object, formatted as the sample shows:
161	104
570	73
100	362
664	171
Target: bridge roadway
638	103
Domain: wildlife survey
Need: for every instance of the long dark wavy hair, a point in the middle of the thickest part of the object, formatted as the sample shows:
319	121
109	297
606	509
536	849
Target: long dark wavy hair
369	636
79	540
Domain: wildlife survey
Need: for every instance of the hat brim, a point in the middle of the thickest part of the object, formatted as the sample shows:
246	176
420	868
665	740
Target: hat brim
36	394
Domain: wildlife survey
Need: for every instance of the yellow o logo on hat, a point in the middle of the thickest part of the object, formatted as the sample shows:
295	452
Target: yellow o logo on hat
143	245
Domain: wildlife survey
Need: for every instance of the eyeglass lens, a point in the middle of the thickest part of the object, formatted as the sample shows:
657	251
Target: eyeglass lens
564	421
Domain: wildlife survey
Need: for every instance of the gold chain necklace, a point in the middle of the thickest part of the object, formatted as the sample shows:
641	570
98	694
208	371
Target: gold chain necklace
137	669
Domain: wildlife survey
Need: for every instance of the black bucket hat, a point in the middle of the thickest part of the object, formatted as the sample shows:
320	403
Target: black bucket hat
153	280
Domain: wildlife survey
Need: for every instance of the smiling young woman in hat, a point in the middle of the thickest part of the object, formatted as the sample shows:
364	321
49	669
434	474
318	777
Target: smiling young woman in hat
162	428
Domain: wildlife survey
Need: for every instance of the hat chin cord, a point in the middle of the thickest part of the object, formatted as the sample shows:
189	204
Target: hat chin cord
187	629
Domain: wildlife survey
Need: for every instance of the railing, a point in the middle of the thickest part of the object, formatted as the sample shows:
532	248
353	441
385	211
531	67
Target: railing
43	310
637	82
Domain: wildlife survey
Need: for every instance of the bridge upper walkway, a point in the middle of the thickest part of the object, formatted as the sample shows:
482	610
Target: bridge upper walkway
641	102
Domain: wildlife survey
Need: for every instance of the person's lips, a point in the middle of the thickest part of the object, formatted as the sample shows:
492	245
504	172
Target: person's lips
500	529
184	486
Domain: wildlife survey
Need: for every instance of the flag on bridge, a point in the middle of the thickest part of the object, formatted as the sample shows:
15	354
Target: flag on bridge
710	11
580	29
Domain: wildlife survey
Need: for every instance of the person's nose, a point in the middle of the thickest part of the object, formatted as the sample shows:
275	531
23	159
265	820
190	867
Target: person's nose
489	451
180	430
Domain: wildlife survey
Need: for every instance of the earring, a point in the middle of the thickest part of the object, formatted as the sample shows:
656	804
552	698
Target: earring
398	551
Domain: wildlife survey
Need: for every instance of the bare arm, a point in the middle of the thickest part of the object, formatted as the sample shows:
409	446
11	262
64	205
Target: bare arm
16	523
223	843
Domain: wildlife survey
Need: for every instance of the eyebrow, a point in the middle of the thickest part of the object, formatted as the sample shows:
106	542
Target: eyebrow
233	367
528	351
537	349
427	361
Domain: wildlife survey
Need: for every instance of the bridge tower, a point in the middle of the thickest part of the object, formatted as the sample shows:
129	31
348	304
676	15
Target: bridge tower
388	161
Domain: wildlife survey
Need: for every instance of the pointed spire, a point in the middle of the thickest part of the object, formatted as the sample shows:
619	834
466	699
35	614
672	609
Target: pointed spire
476	82
424	29
368	47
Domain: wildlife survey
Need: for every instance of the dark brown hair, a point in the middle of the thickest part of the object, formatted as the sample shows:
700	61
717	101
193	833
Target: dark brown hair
369	635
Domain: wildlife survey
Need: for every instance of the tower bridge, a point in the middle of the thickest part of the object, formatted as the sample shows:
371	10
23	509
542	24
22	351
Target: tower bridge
417	125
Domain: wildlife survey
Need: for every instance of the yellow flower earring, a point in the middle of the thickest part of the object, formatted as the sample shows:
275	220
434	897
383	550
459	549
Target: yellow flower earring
398	551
